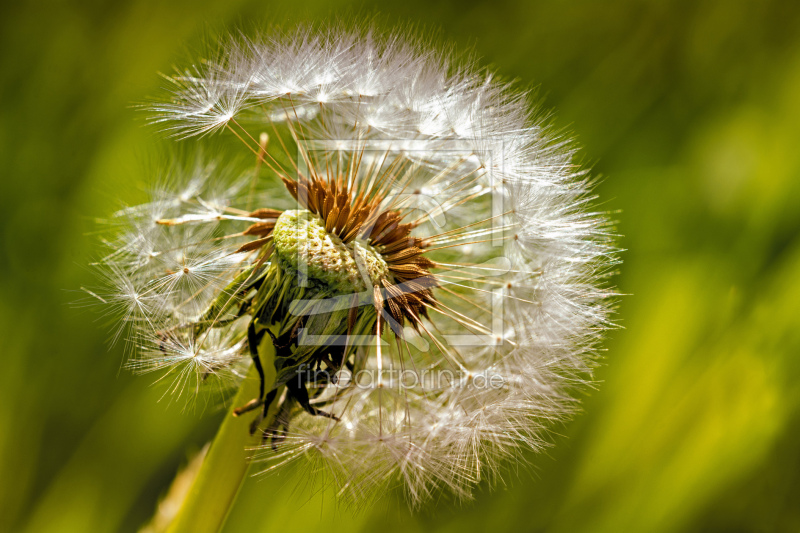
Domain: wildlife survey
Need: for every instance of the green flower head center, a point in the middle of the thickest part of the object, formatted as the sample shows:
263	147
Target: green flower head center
302	244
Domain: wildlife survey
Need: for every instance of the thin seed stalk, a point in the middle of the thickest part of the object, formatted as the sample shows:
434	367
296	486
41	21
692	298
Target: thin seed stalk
225	466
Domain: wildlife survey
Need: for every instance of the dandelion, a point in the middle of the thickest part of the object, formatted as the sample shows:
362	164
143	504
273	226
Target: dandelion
419	297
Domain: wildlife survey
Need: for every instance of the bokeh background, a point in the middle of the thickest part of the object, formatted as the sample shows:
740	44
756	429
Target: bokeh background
690	110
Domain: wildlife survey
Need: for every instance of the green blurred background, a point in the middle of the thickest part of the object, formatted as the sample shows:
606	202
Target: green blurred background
690	110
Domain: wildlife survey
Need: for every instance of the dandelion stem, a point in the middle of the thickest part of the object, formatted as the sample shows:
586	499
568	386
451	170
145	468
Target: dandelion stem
225	466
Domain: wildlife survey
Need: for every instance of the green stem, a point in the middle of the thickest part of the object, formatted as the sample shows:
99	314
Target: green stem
225	466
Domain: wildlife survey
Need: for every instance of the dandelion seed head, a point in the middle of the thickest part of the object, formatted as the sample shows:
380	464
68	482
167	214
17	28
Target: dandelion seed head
432	274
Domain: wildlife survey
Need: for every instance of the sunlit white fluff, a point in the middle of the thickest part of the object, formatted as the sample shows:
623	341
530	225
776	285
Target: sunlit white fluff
481	157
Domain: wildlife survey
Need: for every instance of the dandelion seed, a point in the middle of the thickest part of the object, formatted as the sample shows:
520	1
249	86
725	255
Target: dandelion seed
433	295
